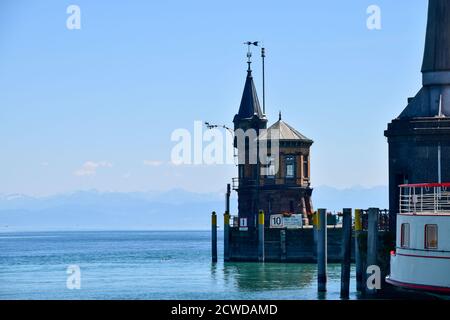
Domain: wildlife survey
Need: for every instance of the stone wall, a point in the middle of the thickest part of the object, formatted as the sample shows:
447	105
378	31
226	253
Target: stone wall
296	245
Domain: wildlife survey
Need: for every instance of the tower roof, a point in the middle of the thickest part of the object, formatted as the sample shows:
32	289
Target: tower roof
284	132
437	42
432	100
249	102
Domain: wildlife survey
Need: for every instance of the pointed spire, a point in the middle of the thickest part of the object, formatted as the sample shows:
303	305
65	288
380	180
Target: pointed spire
249	103
431	100
437	42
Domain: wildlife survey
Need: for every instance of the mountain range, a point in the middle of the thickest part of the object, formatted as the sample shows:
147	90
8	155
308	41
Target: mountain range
170	210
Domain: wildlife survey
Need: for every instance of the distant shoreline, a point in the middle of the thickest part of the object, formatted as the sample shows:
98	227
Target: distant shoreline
98	230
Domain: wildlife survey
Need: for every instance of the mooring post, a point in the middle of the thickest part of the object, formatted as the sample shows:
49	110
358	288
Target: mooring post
372	243
227	199
283	244
226	226
322	250
346	252
226	236
261	236
358	258
315	222
214	236
315	225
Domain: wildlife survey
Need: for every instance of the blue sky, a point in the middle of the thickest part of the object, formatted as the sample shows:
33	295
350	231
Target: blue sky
108	96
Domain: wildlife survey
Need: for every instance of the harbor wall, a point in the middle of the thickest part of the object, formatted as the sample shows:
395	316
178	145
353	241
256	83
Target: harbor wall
283	245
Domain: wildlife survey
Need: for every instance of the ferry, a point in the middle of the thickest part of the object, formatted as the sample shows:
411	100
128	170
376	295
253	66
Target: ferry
421	260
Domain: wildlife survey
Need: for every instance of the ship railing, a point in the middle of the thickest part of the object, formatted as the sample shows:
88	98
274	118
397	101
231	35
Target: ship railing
383	220
430	198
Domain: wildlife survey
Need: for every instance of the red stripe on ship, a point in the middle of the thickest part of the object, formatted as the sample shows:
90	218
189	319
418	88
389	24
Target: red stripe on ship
419	256
422	287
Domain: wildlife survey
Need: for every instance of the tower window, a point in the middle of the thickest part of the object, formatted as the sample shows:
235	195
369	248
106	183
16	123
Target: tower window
290	167
431	236
305	167
270	169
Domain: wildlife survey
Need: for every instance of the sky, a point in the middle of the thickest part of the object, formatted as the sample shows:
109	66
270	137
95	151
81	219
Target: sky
95	108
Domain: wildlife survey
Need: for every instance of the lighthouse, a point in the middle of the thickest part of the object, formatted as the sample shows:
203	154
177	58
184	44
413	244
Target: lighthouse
419	138
278	182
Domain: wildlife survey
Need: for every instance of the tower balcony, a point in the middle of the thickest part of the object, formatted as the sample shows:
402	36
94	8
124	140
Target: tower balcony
238	183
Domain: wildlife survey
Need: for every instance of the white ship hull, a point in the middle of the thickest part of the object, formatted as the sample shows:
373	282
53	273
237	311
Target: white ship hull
420	272
421	260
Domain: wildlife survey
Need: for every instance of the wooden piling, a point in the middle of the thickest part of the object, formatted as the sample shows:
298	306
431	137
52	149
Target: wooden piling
346	252
226	236
358	246
226	226
315	225
214	236
227	199
322	250
372	243
261	236
315	221
283	244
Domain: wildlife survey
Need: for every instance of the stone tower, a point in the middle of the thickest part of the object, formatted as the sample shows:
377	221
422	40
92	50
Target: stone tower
259	185
419	138
249	117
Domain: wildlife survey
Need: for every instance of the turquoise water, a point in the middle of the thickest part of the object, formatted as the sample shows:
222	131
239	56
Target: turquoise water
146	265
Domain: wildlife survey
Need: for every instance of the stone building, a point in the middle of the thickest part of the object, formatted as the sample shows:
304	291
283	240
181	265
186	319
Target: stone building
277	187
419	138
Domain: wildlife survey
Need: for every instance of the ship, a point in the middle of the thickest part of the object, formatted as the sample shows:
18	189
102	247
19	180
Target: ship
421	259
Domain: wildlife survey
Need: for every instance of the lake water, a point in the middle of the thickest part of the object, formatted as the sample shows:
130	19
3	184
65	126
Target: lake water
146	265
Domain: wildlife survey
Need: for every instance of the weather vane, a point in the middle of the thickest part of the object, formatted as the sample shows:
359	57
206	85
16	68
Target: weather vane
249	61
249	52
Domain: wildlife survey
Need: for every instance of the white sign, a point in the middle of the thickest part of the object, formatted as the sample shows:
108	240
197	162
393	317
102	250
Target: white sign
279	221
276	221
243	224
295	221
